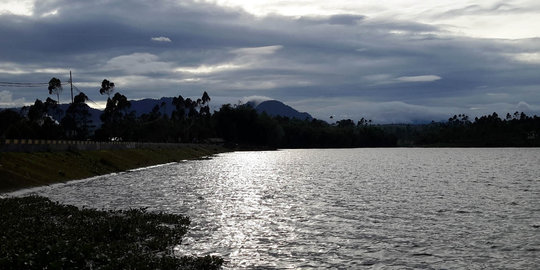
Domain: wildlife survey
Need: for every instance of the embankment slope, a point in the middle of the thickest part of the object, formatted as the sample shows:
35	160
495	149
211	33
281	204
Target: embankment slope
22	170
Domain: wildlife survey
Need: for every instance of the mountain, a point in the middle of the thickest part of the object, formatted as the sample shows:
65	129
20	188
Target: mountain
278	108
94	114
271	107
146	105
139	106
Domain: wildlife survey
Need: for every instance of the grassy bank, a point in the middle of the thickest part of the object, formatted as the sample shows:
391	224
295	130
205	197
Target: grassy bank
22	170
36	233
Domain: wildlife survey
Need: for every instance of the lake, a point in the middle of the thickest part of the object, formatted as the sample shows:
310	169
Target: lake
342	208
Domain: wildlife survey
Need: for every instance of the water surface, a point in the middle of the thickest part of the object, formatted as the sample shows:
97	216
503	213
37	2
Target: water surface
343	208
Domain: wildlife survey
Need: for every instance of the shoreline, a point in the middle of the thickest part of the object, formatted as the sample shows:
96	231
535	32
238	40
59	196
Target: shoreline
30	190
22	170
31	218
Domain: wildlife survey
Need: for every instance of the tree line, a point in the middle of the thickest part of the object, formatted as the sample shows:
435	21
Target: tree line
192	121
512	130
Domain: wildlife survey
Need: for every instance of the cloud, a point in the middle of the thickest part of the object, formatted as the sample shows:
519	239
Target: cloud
523	106
476	10
12	69
161	39
206	69
250	58
389	112
339	19
18	69
388	61
138	63
502	108
420	78
532	58
7	101
52	70
345	19
265	50
18	7
255	99
386	112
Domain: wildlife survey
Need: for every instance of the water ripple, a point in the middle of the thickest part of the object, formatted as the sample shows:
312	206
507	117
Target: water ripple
355	208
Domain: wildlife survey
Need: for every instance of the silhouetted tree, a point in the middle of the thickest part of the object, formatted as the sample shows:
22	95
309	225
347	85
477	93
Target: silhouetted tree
204	109
52	108
107	87
180	108
55	87
38	124
191	107
37	112
118	120
11	123
77	122
515	129
205	98
345	123
163	108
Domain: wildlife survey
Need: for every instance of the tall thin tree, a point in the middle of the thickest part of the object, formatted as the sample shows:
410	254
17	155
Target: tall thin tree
55	87
107	87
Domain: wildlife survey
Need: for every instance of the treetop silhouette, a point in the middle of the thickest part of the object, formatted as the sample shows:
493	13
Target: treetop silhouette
55	87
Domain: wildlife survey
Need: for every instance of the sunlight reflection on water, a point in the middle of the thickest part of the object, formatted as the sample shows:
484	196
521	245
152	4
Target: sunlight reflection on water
343	208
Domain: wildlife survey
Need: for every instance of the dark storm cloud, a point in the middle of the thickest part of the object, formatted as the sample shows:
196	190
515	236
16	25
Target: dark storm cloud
359	65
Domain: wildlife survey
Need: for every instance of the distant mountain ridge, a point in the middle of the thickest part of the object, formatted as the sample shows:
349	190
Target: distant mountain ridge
94	114
142	106
146	105
278	108
271	107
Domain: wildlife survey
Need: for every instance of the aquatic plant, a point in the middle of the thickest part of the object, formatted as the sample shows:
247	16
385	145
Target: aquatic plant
37	233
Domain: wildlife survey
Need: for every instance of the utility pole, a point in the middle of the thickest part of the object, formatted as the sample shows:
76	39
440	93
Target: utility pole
71	83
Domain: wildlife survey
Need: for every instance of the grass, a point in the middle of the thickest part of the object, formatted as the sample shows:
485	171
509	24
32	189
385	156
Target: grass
21	170
36	233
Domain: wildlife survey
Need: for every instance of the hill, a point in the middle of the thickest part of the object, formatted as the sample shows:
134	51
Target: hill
142	106
139	106
278	108
146	105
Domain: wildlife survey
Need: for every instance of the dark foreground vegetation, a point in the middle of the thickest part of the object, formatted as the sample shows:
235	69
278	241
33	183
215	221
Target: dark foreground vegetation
513	130
36	233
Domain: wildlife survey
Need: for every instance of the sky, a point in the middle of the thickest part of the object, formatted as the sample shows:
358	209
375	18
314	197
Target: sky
390	61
